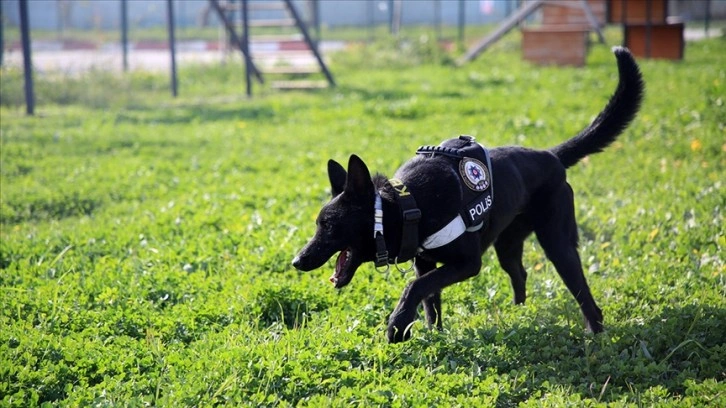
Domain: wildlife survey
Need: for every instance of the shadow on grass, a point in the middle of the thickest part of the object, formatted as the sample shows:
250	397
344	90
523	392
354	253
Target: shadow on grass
183	114
375	94
39	208
672	350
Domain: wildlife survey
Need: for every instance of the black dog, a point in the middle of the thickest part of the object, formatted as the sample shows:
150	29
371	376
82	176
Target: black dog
427	193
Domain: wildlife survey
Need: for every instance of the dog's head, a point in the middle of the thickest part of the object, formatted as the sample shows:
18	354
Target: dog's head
344	224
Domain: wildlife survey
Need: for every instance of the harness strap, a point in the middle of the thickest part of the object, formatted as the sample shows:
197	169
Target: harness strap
442	150
410	215
445	235
381	251
448	233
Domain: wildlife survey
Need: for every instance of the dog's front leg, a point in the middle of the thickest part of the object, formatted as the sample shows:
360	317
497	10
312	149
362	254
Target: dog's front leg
399	323
431	303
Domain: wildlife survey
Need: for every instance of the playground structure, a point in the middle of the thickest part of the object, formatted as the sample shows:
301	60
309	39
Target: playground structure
239	35
296	44
561	39
563	36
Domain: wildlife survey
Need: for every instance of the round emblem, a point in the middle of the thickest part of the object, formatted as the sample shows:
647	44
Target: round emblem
474	173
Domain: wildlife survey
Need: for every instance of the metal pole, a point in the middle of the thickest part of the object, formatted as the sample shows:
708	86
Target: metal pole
437	18
313	48
235	38
592	20
172	44
59	19
27	63
462	20
125	34
624	18
396	17
390	16
369	17
648	28
246	47
231	10
706	22
316	21
2	29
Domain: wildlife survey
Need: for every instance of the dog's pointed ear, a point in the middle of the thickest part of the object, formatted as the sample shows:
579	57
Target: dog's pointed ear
359	178
337	176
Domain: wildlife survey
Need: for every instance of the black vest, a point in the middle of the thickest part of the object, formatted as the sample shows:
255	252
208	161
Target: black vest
473	165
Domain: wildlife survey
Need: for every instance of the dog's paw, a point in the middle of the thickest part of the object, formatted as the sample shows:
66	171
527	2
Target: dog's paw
396	335
399	327
594	328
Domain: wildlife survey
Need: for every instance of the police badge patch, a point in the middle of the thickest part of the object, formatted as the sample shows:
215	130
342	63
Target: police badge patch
478	197
474	174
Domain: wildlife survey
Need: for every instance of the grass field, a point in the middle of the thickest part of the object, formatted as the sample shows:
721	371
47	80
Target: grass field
146	241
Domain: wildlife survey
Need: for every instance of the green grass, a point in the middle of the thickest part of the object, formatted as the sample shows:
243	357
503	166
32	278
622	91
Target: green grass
146	242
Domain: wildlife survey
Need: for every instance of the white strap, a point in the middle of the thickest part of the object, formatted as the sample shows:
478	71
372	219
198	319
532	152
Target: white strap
450	232
445	235
378	216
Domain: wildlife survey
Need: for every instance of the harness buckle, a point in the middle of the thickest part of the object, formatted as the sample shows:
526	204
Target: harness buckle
381	252
405	270
383	270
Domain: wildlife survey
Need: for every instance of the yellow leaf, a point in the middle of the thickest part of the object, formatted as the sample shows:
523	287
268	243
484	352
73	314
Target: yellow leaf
538	266
696	145
652	234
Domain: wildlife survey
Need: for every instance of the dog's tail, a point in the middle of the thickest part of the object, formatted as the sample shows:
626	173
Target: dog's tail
616	116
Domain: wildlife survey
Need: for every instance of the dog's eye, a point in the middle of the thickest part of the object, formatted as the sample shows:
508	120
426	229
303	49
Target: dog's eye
326	225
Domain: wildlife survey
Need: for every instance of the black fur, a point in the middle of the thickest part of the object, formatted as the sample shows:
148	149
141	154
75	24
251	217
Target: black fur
531	195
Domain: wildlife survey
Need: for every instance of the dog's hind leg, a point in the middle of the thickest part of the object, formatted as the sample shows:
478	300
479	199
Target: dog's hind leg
556	231
432	303
509	246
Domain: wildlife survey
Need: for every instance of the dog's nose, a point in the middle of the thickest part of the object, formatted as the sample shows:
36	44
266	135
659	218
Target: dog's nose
296	262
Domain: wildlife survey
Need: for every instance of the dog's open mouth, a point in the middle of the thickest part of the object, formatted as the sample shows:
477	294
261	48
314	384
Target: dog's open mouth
343	269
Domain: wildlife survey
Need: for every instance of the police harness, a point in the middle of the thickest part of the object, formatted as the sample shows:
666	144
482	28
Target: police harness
475	170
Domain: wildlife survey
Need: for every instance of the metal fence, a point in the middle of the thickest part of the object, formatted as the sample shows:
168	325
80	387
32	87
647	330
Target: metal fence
61	15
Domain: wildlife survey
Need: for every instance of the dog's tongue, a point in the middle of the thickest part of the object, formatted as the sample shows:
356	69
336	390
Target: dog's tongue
342	259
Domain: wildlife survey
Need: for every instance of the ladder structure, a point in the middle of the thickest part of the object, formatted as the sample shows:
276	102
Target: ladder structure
281	44
561	19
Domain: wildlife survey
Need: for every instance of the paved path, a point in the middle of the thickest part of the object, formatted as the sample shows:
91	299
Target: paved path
52	56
